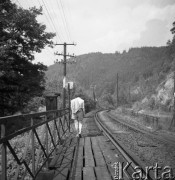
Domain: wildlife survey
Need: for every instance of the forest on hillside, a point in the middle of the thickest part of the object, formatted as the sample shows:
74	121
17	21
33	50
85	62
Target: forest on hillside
142	67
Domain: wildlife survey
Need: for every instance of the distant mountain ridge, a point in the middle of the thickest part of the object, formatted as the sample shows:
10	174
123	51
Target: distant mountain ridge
98	68
140	72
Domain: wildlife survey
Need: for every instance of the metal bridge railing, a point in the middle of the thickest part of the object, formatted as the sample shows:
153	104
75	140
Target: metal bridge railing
33	144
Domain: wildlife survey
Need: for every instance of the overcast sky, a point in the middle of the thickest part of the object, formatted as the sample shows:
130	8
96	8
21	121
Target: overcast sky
104	25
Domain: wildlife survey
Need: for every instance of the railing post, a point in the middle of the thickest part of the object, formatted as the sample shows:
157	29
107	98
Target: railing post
33	149
47	141
54	132
4	154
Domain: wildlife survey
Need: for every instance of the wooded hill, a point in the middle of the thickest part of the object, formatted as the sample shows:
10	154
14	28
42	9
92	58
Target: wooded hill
137	66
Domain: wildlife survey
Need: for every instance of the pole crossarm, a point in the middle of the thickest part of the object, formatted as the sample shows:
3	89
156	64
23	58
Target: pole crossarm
67	44
67	55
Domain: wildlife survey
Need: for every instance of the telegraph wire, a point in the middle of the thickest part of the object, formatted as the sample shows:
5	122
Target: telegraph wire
62	20
65	21
56	18
19	3
43	13
51	20
46	15
51	26
46	51
69	11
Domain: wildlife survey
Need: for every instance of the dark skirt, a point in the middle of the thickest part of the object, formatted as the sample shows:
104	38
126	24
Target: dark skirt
80	115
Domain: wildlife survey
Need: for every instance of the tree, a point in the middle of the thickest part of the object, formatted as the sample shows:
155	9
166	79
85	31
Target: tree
171	43
20	37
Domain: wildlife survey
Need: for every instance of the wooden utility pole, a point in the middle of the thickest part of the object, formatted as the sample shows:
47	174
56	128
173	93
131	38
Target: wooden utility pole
94	96
117	91
65	55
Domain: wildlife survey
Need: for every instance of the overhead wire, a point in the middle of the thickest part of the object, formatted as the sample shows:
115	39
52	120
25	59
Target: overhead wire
51	8
68	8
69	11
58	19
51	20
65	17
47	54
48	51
19	3
43	13
47	18
64	20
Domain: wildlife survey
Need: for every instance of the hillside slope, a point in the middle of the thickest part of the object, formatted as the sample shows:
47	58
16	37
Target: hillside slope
142	67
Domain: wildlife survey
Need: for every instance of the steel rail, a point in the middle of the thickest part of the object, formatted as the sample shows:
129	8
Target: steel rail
128	156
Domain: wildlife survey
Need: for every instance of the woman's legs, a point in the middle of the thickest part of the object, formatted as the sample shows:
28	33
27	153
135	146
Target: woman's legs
78	126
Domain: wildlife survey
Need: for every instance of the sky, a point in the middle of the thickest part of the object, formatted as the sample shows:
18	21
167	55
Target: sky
103	25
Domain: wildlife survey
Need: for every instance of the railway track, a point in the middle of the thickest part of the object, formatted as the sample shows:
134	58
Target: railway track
127	156
121	153
136	129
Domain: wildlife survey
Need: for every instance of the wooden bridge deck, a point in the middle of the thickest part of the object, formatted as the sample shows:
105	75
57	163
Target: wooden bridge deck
95	155
90	157
94	159
60	164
